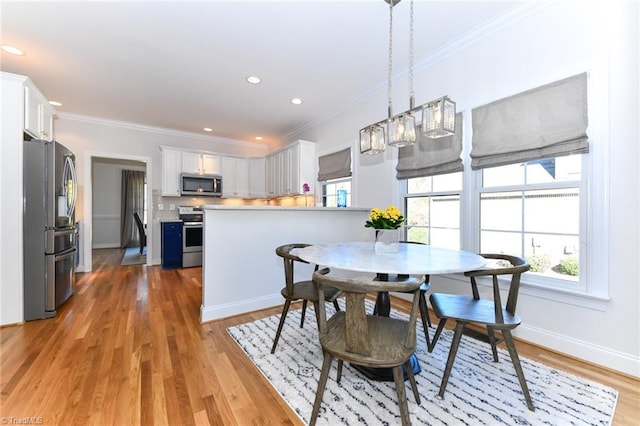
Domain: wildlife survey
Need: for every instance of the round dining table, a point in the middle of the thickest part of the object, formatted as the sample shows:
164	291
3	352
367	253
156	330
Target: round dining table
410	259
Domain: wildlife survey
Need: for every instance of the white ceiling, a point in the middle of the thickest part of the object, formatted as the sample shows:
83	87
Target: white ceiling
182	65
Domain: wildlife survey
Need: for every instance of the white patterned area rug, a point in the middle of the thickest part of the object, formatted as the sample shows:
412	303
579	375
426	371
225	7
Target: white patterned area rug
480	391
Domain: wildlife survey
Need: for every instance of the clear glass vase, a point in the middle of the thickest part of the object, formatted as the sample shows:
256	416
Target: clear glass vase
386	240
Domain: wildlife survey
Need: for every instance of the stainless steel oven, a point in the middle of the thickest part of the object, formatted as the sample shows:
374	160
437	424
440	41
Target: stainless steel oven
191	236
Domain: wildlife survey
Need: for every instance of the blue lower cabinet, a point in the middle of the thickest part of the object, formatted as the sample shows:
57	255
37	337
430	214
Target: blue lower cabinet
171	245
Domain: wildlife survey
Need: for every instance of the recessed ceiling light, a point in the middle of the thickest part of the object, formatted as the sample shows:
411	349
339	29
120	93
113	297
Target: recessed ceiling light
208	129
55	103
296	101
258	138
253	79
12	50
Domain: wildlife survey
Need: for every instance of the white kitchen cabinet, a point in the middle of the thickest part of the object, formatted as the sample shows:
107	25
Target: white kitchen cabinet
291	167
257	177
38	114
201	164
171	168
235	177
274	174
298	167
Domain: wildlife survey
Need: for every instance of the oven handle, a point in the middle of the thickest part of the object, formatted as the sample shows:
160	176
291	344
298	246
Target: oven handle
192	224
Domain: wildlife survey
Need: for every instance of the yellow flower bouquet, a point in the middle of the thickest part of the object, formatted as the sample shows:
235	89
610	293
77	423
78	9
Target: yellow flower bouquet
391	218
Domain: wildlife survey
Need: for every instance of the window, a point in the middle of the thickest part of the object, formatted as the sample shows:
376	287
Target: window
330	191
534	210
334	174
432	210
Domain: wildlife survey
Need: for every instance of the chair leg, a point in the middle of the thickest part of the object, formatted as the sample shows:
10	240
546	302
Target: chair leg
492	341
424	315
304	311
436	336
322	382
336	305
339	375
398	378
412	380
515	359
285	309
423	302
457	336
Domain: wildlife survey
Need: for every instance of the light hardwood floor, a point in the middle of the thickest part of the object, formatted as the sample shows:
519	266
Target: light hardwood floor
128	348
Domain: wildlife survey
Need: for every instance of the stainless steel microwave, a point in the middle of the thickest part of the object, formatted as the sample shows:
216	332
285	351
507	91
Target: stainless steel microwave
201	185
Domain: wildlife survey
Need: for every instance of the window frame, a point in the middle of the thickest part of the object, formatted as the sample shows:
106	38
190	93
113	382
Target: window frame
594	232
324	183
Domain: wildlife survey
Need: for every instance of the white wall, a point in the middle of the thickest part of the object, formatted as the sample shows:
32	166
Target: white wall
11	272
547	43
242	273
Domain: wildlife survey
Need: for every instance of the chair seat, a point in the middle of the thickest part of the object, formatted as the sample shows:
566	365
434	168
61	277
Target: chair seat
468	309
386	341
308	291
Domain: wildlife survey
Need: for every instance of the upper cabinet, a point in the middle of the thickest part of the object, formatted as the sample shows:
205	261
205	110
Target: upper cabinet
279	174
171	168
297	167
257	177
38	114
201	164
235	177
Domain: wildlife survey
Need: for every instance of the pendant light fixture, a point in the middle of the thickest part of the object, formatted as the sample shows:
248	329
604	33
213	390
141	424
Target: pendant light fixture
438	116
402	128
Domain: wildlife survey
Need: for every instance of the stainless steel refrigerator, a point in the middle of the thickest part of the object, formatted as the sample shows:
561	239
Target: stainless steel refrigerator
49	231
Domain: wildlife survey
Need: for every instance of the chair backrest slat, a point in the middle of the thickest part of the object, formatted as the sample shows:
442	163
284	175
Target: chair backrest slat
357	331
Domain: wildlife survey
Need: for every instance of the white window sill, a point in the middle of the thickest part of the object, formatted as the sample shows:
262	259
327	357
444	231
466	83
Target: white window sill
577	298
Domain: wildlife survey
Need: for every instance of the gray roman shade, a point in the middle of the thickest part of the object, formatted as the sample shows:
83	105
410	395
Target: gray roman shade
547	121
335	165
428	157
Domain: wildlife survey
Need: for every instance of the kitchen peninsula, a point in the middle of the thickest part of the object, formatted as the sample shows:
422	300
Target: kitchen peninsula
241	272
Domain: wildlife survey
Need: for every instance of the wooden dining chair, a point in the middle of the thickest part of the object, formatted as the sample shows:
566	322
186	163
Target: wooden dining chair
141	231
367	340
485	312
300	290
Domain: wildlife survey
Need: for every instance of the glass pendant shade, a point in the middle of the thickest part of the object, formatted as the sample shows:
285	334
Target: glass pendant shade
439	118
402	130
372	140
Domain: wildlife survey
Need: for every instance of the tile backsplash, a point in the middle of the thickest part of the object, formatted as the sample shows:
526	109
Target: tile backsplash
162	206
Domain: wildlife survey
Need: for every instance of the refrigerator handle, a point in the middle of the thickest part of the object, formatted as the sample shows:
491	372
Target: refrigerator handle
71	168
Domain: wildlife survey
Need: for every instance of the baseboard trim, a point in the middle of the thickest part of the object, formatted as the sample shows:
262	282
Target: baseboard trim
211	313
595	354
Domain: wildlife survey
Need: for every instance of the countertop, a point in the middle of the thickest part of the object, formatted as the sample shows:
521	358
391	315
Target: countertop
288	208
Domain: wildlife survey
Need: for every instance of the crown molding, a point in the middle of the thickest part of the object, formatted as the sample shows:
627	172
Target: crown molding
159	130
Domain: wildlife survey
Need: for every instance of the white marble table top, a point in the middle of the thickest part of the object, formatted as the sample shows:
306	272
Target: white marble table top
411	258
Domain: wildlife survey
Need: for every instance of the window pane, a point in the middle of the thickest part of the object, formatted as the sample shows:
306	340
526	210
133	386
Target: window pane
552	210
330	191
447	182
560	169
445	211
553	255
418	185
512	174
418	234
417	211
501	242
501	211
